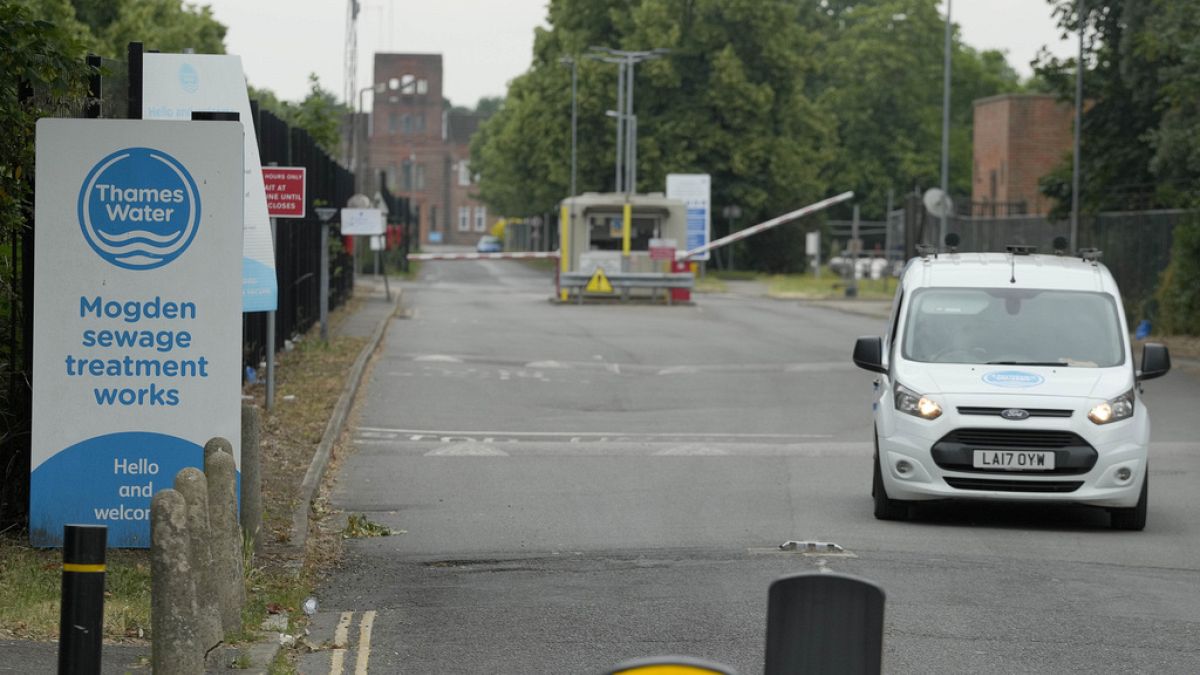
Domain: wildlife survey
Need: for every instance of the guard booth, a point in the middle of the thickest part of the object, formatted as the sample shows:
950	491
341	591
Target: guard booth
621	245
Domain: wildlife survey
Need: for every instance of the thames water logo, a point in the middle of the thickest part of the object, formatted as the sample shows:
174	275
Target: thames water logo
139	208
189	79
1013	378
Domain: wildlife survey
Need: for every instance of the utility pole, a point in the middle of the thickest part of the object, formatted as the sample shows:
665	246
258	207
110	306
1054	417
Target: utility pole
946	125
1078	123
625	178
568	60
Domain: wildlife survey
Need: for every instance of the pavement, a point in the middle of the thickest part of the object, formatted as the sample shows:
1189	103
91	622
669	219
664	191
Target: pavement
31	658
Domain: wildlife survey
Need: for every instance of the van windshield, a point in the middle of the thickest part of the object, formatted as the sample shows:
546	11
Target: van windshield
1005	326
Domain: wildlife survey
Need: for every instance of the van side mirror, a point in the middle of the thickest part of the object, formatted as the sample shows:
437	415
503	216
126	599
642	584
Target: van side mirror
1156	361
868	354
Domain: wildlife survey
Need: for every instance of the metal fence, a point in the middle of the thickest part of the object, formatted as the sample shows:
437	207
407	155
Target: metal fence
1136	244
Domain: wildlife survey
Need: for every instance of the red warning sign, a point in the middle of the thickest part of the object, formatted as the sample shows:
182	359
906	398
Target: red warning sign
285	191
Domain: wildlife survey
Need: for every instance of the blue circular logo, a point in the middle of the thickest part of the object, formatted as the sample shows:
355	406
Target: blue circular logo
139	208
1016	379
189	79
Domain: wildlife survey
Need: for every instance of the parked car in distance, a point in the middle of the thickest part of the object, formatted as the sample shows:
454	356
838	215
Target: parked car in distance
489	244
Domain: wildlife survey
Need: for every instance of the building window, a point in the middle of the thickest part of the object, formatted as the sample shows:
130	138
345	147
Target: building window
406	124
406	176
433	221
464	219
422	86
392	122
419	123
391	177
419	180
406	84
480	218
464	173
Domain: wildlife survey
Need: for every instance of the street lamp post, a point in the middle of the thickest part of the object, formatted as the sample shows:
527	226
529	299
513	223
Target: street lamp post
1078	124
568	60
946	124
626	169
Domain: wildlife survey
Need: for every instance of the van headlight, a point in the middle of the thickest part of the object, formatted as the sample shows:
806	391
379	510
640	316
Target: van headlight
1115	410
912	403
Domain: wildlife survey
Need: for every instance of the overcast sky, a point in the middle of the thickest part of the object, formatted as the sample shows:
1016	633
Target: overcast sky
485	43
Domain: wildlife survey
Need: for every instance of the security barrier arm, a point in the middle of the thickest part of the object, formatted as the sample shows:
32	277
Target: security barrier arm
774	222
515	255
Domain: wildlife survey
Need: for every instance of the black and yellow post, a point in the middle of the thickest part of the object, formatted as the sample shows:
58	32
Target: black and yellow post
81	628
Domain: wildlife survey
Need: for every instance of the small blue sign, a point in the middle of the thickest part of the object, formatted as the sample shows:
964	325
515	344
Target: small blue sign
189	79
1013	379
139	208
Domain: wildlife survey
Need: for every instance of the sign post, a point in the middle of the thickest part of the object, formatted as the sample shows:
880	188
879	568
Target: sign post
325	213
137	324
284	187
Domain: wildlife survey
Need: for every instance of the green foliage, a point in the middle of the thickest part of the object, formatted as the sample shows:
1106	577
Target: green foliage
1140	143
165	25
782	103
46	60
1178	295
319	113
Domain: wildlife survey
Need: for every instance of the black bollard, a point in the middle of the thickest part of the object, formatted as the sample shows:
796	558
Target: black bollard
81	628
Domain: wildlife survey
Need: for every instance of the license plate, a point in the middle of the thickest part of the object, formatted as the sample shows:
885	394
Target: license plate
1014	460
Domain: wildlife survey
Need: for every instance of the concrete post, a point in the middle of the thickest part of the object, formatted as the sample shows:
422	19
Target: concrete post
226	537
216	443
251	514
192	484
175	649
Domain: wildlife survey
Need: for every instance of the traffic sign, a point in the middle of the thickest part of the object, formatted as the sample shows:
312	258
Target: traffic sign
362	222
599	283
285	190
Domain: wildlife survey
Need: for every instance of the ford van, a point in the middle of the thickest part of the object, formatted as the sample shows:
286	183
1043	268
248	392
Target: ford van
1010	376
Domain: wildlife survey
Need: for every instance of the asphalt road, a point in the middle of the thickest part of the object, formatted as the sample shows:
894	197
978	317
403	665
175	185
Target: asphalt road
576	486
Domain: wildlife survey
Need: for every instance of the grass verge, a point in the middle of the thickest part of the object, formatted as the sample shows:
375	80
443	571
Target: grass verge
309	380
828	287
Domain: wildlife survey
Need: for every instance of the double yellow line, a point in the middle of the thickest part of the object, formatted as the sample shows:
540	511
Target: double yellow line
337	659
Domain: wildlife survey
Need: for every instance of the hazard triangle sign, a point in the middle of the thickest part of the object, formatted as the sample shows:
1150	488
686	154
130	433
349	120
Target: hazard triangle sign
599	283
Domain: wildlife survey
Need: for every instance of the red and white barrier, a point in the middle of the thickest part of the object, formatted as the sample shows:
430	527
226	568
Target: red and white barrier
513	255
766	225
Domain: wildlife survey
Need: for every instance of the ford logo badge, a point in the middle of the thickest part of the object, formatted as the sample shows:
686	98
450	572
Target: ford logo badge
1014	414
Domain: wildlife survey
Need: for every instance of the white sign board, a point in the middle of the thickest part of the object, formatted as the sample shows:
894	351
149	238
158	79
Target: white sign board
175	85
609	261
364	222
378	243
695	191
137	326
812	243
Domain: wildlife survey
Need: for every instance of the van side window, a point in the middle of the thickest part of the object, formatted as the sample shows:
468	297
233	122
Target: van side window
895	317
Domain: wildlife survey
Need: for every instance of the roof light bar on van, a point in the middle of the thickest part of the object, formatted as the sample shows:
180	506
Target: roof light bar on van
1091	255
1020	249
926	250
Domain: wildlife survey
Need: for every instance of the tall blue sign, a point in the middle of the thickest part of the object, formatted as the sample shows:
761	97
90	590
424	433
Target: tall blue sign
137	331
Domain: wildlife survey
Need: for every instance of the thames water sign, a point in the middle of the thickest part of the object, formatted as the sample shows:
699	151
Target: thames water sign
137	315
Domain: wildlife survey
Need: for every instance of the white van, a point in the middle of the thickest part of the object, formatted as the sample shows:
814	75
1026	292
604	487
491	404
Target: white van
1010	376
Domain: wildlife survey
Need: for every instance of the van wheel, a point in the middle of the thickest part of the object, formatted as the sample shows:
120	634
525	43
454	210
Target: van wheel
885	508
1134	518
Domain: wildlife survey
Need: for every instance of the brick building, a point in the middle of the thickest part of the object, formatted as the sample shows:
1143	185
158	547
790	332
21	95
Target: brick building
1018	139
422	149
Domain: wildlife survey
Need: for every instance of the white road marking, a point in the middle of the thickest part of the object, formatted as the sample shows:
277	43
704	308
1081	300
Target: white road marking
364	642
679	370
545	364
585	434
337	657
693	450
438	358
823	567
468	449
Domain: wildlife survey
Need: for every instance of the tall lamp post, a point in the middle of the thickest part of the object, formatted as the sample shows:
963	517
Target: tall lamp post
946	124
1078	124
379	87
570	61
626	170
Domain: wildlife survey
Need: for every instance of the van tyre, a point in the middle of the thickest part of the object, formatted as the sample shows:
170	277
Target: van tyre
1134	518
885	508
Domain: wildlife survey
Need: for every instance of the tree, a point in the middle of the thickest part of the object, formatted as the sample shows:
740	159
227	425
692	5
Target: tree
319	112
165	25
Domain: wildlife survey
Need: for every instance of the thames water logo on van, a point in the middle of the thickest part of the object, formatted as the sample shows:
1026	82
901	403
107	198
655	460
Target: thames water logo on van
139	208
1015	379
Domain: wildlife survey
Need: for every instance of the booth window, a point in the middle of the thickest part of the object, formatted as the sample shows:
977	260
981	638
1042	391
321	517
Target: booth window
606	231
